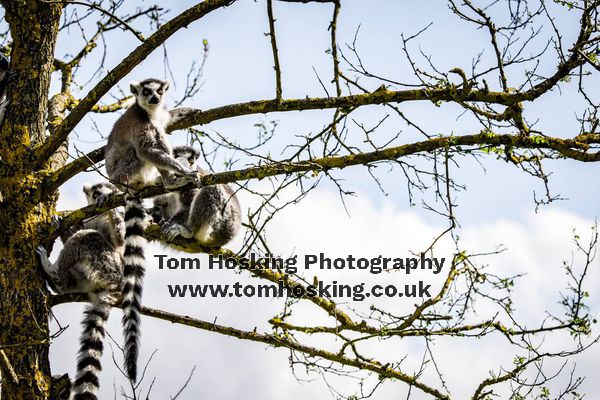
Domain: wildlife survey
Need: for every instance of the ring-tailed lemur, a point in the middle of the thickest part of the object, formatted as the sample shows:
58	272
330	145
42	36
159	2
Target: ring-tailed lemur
136	153
138	149
210	215
91	261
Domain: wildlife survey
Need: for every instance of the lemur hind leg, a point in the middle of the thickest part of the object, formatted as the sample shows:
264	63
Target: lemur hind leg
87	263
172	181
50	269
174	229
212	218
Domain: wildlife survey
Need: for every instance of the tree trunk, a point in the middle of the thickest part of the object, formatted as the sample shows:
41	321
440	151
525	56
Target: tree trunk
24	335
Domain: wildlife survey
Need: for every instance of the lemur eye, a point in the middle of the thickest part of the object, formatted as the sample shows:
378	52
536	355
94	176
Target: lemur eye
146	92
159	91
96	193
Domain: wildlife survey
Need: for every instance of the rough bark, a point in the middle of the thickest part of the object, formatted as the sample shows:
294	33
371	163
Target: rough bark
24	335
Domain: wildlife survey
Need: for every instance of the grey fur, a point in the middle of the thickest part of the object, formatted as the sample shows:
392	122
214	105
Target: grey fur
138	150
92	257
211	215
111	224
91	262
137	153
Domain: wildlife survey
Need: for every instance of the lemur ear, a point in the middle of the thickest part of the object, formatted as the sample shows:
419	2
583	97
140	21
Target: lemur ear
134	87
87	188
166	85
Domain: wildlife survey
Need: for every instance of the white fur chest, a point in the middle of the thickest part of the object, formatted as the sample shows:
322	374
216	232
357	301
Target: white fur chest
160	117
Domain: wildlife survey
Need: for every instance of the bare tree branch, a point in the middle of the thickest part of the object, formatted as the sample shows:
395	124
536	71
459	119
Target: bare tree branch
61	132
277	67
569	148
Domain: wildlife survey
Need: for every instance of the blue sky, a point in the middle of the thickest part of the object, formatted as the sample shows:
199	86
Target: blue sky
239	69
497	206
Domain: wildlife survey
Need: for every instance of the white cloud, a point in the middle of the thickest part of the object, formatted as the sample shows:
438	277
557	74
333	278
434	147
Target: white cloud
230	368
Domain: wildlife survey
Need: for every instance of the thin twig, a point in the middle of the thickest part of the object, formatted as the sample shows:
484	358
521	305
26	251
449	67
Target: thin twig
277	67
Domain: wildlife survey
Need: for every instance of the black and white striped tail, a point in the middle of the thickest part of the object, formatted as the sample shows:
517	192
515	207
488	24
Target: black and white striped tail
86	382
133	274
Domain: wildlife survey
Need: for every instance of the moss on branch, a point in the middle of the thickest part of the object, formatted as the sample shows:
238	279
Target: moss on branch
568	148
123	68
275	340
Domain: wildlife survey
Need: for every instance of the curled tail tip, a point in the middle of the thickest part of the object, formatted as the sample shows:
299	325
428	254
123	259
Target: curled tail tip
131	345
132	372
131	356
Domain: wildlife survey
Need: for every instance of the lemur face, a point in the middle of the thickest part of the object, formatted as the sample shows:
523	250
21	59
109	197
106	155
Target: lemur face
92	192
189	153
150	92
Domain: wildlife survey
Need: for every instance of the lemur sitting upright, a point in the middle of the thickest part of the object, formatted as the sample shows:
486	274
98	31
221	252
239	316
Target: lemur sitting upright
136	153
91	262
211	215
137	149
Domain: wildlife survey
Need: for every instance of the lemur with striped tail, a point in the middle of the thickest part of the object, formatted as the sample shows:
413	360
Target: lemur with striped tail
211	215
138	155
91	262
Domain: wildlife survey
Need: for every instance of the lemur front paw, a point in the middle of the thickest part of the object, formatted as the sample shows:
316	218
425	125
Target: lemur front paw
195	178
175	182
172	230
42	252
56	222
101	199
